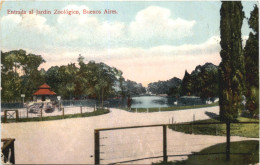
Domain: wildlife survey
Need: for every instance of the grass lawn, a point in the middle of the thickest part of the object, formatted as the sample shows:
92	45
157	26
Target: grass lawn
242	153
174	108
88	114
245	130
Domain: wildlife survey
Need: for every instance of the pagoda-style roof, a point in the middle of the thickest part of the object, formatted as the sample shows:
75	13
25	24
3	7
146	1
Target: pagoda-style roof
44	89
44	86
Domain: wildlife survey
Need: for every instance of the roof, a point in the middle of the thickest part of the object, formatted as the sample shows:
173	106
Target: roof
44	92
44	89
44	86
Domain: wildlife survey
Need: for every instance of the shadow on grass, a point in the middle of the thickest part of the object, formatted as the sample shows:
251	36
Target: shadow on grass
212	115
242	153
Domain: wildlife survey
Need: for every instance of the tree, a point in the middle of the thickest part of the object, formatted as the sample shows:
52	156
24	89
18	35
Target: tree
20	74
67	74
53	78
12	63
251	52
231	69
186	85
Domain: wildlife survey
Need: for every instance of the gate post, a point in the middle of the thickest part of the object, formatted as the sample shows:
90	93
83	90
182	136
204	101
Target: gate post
165	157
96	149
228	142
12	158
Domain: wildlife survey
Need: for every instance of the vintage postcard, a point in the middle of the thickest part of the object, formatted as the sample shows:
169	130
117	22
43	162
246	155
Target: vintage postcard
129	82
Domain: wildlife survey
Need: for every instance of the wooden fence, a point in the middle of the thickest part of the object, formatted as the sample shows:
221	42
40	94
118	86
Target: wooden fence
15	115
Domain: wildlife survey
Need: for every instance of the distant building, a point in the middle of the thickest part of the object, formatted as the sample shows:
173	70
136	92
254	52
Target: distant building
44	94
189	100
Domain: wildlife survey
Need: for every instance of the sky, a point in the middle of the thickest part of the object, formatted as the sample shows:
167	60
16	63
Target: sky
147	40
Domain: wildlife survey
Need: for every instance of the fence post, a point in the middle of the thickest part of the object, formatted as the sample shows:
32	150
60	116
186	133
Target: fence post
81	110
228	142
27	113
41	113
63	113
5	116
17	115
216	129
192	124
97	150
165	157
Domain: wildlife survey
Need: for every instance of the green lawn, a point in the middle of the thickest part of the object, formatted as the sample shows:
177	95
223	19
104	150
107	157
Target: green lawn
88	114
242	153
174	108
245	130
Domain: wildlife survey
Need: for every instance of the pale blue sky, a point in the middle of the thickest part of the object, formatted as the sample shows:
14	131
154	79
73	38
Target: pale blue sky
178	32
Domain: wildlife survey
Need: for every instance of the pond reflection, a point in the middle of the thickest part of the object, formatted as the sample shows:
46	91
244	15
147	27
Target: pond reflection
152	101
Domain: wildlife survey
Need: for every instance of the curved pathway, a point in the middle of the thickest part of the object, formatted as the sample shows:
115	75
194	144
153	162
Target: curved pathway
71	141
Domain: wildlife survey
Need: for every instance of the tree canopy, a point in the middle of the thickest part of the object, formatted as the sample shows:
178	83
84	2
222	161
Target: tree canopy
251	52
231	68
21	75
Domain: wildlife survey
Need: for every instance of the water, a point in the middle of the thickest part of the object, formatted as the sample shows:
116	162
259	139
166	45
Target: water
152	102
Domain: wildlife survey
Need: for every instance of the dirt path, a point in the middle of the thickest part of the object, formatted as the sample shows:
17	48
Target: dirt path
71	141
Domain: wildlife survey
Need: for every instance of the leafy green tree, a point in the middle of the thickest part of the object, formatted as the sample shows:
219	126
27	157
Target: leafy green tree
67	74
53	78
11	67
205	82
231	69
32	77
20	74
251	52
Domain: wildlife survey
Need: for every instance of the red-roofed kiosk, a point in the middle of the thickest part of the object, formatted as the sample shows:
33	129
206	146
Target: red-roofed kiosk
44	94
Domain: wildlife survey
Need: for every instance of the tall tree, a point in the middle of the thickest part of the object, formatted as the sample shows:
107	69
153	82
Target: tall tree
32	77
251	52
231	69
186	85
20	74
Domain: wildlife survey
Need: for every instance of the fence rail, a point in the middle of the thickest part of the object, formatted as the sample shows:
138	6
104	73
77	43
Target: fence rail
163	141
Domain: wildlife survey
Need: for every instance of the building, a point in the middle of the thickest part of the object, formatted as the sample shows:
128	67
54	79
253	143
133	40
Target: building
44	94
190	100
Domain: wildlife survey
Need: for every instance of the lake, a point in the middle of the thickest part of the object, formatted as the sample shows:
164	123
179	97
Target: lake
152	101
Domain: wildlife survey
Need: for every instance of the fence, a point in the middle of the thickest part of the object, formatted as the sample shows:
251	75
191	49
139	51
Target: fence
38	111
11	105
138	143
7	155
